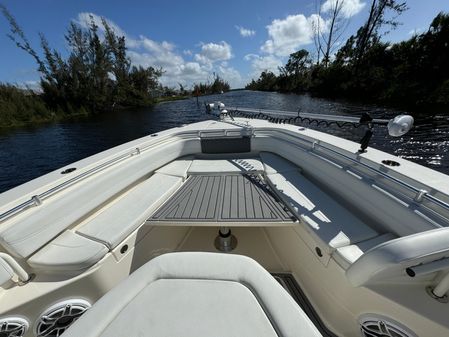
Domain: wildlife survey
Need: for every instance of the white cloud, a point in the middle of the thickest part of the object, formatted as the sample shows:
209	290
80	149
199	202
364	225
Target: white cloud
263	63
245	32
212	52
85	18
295	31
176	69
231	75
147	52
349	7
34	85
154	46
158	55
190	68
416	31
287	35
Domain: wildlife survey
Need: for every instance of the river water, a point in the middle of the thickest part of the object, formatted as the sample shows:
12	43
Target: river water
28	153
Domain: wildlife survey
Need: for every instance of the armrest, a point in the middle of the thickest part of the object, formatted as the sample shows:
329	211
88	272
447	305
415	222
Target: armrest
392	258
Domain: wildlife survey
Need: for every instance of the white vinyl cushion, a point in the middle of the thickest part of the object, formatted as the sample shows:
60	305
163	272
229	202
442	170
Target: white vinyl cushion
326	219
205	166
192	308
42	224
196	295
177	167
68	252
123	216
274	164
345	256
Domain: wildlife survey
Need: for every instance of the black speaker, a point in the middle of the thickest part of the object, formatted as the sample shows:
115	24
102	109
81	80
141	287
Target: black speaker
372	325
13	326
57	318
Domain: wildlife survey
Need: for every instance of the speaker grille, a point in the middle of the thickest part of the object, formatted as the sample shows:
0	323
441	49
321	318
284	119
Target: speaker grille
13	327
379	326
56	319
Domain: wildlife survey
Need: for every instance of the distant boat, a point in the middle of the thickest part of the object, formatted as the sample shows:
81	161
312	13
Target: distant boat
229	227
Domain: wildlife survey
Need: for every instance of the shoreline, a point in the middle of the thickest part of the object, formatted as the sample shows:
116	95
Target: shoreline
430	110
58	117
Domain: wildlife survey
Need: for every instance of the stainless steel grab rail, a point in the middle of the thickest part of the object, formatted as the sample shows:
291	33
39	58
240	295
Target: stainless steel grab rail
37	199
424	194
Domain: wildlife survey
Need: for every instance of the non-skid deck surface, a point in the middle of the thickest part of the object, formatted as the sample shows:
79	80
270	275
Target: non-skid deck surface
233	199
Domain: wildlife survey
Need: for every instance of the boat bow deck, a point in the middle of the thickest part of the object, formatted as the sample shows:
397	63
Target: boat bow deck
218	199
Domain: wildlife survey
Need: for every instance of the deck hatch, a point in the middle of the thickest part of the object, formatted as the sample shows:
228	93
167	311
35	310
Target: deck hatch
227	198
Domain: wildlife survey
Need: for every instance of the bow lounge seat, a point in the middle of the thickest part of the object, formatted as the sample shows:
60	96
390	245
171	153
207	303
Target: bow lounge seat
77	251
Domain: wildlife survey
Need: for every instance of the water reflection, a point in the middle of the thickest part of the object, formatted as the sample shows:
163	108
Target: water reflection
30	152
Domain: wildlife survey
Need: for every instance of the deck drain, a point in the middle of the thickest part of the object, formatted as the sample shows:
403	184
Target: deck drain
390	163
70	169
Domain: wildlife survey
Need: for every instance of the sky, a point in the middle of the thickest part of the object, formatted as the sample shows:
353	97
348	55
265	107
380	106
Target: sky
192	39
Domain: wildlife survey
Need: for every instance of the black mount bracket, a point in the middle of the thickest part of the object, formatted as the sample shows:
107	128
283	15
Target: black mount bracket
368	120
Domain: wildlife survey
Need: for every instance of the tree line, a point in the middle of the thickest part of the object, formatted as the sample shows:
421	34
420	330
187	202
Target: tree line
413	74
217	86
96	76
